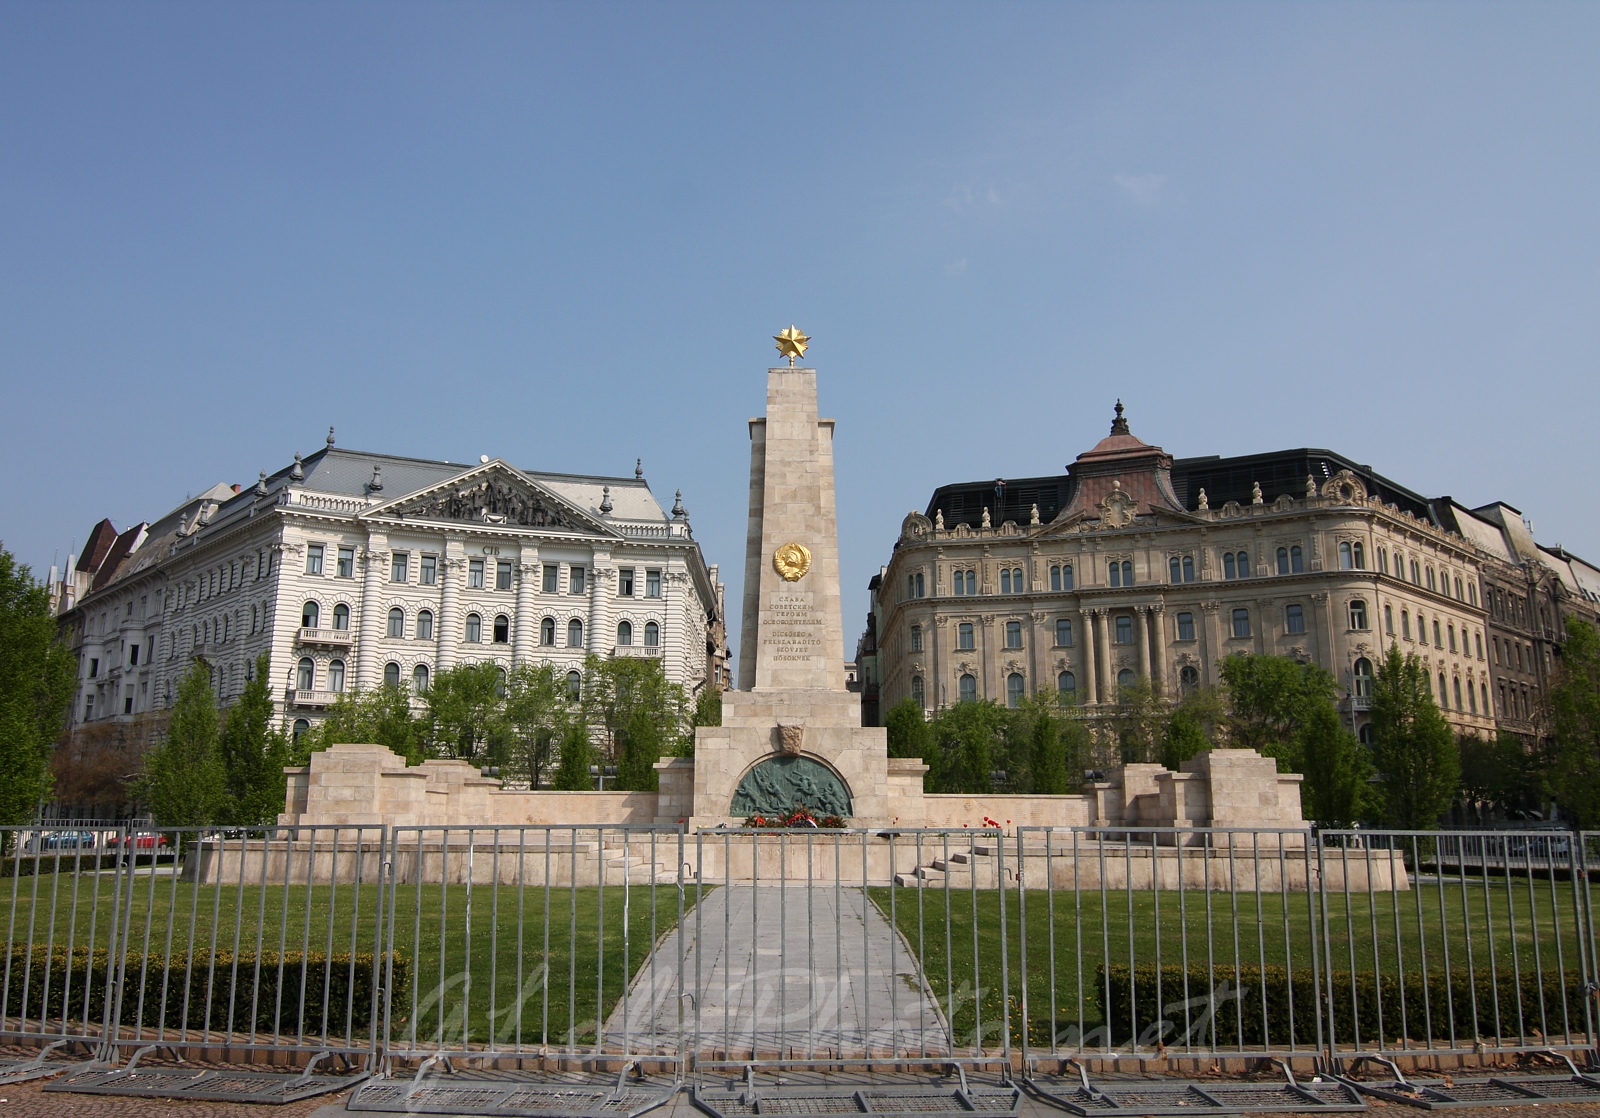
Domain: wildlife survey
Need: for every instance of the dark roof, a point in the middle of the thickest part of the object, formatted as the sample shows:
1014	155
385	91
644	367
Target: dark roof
120	550
1224	479
101	537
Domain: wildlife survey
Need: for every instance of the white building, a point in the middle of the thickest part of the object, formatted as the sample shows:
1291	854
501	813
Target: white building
352	569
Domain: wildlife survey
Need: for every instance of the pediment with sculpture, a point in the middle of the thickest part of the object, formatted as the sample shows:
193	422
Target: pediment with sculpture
495	495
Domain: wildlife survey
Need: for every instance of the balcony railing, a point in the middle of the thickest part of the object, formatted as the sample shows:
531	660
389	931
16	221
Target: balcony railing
637	651
338	637
313	698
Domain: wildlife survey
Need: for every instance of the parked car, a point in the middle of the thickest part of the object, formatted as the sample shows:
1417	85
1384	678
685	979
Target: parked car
61	840
143	840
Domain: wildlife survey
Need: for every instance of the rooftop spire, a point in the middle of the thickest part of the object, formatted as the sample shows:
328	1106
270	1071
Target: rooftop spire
1119	425
330	436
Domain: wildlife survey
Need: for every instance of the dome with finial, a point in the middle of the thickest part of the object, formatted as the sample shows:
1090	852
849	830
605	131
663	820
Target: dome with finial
1120	441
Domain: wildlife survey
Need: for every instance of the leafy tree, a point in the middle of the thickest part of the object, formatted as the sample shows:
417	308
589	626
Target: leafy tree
1574	702
381	717
1337	790
909	731
575	756
1499	772
1413	747
1270	699
184	783
966	737
1183	738
253	754
708	707
466	712
37	678
1140	725
1047	756
638	713
538	710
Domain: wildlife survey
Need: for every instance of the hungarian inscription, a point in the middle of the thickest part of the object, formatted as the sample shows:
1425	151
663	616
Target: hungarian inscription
791	629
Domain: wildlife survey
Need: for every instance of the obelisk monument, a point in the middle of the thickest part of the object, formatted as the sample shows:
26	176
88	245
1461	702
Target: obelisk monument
791	736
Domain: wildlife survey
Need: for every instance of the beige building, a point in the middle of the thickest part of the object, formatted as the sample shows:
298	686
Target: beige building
1133	565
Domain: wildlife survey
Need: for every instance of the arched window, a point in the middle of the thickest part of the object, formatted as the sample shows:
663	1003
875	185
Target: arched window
1365	735
918	693
1363	678
1472	593
547	632
1358	613
1005	580
1014	689
474	628
1388	620
301	728
502	629
624	633
1345	561
335	675
1013	634
391	674
1451	629
1360	551
305	674
1472	697
1383	560
1283	560
574	686
964	635
1114	573
1477	639
309	615
1125	678
424	625
341	617
1066	576
500	683
1175	569
1244	564
419	678
1188	568
1055	578
652	634
1431	585
916	638
1188	679
1294	618
1186	626
1405	624
397	622
1444	698
1124	629
253	619
967	688
1483	688
575	633
1438	642
1297	561
1456	685
972	582
1063	632
1067	686
1229	566
1241	623
1416	573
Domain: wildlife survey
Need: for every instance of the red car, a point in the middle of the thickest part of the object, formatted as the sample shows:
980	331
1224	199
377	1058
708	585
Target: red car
143	841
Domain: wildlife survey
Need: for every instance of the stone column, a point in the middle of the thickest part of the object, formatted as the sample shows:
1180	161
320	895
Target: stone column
1211	643
1141	642
451	565
1086	642
1158	655
373	615
602	584
524	625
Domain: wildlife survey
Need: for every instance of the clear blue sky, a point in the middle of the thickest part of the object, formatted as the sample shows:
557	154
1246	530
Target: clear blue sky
563	234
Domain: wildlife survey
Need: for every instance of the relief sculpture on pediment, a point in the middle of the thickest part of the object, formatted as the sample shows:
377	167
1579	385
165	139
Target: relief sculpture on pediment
491	501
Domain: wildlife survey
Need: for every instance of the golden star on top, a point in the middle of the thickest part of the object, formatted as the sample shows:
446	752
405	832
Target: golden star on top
791	343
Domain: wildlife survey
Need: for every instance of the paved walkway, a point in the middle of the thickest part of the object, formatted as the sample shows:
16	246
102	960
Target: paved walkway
809	971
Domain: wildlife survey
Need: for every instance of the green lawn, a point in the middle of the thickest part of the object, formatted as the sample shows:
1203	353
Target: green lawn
477	964
1064	950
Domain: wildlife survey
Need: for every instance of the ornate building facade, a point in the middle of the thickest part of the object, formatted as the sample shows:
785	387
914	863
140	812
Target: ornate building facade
1136	566
352	570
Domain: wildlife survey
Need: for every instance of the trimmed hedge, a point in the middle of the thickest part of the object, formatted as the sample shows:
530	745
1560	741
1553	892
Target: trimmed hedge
243	990
1469	997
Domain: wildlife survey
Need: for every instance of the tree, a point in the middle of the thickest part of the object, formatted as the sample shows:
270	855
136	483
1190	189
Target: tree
1270	699
381	717
37	678
1574	701
184	782
538	710
1337	790
638	714
572	766
253	754
966	736
1047	759
466	712
1498	774
908	730
1412	745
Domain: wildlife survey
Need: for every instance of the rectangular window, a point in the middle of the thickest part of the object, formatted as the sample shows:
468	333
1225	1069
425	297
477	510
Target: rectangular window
964	635
652	584
1186	626
428	575
1124	630
625	581
347	562
1294	619
551	574
398	564
475	574
1013	634
575	580
1241	623
916	638
314	559
88	709
94	666
133	653
502	574
1063	632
